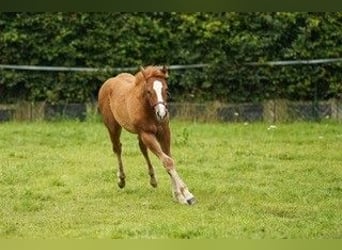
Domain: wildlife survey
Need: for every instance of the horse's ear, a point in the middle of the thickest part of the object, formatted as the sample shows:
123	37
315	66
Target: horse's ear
142	70
165	71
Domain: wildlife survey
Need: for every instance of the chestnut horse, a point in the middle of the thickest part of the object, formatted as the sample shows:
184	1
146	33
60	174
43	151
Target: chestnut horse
138	103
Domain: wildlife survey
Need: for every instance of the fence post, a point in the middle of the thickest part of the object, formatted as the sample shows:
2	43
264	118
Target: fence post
336	109
37	111
23	111
275	111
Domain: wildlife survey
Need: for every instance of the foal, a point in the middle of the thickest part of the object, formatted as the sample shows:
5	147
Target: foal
138	103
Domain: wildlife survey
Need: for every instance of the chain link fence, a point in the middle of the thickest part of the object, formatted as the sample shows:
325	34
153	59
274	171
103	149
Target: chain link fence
271	111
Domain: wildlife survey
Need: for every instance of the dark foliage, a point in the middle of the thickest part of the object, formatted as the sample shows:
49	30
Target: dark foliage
225	41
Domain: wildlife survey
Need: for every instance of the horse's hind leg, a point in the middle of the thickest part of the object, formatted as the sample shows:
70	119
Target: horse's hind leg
144	151
115	132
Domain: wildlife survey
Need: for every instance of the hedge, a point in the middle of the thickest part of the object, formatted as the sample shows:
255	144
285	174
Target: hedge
224	41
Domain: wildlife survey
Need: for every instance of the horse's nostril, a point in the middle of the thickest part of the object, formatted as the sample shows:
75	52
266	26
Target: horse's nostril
161	114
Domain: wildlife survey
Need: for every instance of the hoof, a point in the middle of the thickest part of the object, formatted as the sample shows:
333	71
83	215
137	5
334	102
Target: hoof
121	184
191	201
153	183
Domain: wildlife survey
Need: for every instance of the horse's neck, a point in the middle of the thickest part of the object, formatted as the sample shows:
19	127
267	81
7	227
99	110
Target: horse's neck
136	91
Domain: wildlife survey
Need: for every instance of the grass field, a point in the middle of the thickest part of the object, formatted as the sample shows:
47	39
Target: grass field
58	180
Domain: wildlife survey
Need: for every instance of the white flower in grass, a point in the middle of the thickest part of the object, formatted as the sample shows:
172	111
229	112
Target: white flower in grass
271	127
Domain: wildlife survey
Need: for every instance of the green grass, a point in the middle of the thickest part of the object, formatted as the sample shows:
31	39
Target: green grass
58	180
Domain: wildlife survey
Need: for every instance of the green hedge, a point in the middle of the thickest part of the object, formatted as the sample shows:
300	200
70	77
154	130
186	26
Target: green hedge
225	41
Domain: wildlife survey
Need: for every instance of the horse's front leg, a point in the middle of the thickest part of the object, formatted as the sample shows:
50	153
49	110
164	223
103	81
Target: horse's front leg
143	150
180	190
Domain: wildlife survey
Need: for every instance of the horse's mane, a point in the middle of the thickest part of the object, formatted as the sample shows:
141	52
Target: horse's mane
150	71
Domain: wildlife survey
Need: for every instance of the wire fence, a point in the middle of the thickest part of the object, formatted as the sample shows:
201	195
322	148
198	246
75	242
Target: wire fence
173	67
90	69
272	111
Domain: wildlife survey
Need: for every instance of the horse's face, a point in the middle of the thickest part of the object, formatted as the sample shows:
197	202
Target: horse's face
157	93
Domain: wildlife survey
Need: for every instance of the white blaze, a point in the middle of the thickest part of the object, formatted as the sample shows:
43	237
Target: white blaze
160	107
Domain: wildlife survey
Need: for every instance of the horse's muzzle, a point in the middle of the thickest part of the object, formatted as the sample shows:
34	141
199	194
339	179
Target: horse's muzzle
161	111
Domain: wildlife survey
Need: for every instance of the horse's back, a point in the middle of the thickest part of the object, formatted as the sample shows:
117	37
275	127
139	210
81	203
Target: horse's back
119	84
123	80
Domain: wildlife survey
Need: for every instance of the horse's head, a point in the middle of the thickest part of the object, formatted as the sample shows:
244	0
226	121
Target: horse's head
156	90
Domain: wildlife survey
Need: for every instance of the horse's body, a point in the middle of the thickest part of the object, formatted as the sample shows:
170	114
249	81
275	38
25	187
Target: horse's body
138	103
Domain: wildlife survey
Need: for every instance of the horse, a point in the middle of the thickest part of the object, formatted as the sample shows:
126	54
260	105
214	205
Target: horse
138	103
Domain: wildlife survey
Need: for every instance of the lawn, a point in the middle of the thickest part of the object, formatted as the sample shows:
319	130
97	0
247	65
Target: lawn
251	181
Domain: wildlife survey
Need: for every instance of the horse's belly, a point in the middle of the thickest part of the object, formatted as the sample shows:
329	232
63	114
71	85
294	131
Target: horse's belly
128	126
